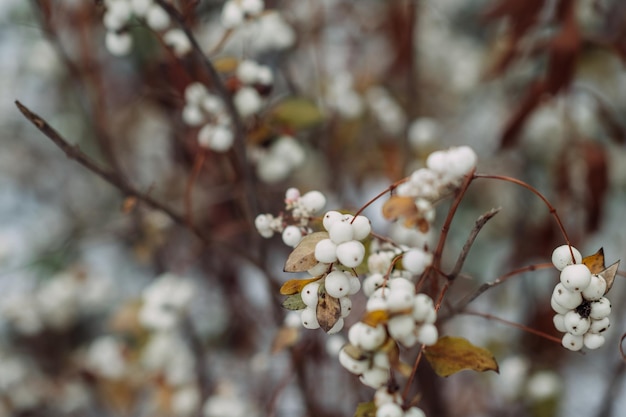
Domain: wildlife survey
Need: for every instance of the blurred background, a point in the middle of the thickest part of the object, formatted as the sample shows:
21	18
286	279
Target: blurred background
110	306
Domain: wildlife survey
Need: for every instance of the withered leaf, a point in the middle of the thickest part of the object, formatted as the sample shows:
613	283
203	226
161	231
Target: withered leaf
595	262
297	113
399	206
367	409
294	302
302	258
453	354
609	275
285	338
375	317
294	286
328	311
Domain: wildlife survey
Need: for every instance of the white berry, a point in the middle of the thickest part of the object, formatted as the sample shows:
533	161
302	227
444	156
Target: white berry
157	18
600	308
309	294
118	43
337	284
575	277
346	306
355	285
340	232
562	257
372	283
593	340
318	269
330	218
326	251
336	327
292	236
193	116
362	227
575	324
596	288
599	326
375	378
565	297
428	334
351	253
400	299
353	365
313	201
414	412
558	308
572	342
416	260
389	410
372	337
400	326
559	322
309	318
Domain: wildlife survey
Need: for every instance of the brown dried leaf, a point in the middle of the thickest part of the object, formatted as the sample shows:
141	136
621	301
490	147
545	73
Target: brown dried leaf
609	275
302	258
399	206
226	64
285	338
294	286
595	262
328	311
454	354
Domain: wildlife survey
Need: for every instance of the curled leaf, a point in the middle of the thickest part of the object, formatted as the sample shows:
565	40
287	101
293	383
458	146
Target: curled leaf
302	258
454	354
328	311
609	275
399	206
294	302
375	317
595	262
294	286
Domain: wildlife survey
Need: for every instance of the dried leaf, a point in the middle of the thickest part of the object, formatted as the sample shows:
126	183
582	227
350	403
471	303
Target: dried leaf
365	409
595	262
294	302
609	275
356	353
226	64
297	113
453	354
399	206
375	317
302	258
294	286
328	311
285	338
390	347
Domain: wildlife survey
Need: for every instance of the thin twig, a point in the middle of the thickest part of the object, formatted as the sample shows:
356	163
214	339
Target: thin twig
514	324
74	152
480	222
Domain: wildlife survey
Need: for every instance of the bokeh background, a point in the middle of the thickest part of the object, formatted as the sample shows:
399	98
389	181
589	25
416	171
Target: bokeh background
110	307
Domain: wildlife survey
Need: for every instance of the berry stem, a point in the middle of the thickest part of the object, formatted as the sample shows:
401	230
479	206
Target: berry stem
379	195
407	387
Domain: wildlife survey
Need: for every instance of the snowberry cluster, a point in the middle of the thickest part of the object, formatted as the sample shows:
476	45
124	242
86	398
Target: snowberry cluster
337	284
118	15
301	208
235	12
411	321
208	110
389	404
578	299
255	81
343	243
278	160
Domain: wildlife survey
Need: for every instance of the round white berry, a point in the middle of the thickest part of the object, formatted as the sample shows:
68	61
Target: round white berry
346	306
309	318
336	327
195	93
422	307
252	7
416	260
157	18
562	257
596	288
571	342
292	236
120	9
262	221
247	71
292	194
114	21
575	277
414	412
558	308
427	334
355	366
330	218
375	377
376	303
400	300
247	101
379	261
212	104
340	232
389	410
140	7
600	326
309	294
381	359
222	140
178	41
313	201
318	269
400	326
337	284
593	340
193	116
383	396
600	308
118	44
361	226
351	253
372	283
372	338
565	297
402	284
355	285
559	322
575	324
326	251
355	332
264	76
232	15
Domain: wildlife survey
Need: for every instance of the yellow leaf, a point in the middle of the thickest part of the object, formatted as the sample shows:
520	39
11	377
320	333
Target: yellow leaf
285	338
399	206
302	258
294	286
365	409
375	317
226	64
328	311
297	113
595	262
453	354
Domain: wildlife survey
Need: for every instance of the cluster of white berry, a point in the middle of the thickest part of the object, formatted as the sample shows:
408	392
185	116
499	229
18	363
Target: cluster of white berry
116	20
301	208
343	243
208	110
235	12
337	284
278	160
255	81
411	321
389	404
578	299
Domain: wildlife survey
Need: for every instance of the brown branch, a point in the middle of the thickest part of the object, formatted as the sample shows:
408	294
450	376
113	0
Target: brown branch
513	324
74	152
480	222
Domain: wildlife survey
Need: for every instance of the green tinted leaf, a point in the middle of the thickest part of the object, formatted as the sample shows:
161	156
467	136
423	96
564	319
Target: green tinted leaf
453	354
365	410
294	302
297	112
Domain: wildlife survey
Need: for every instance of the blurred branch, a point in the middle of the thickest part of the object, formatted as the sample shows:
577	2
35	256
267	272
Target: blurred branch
74	152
